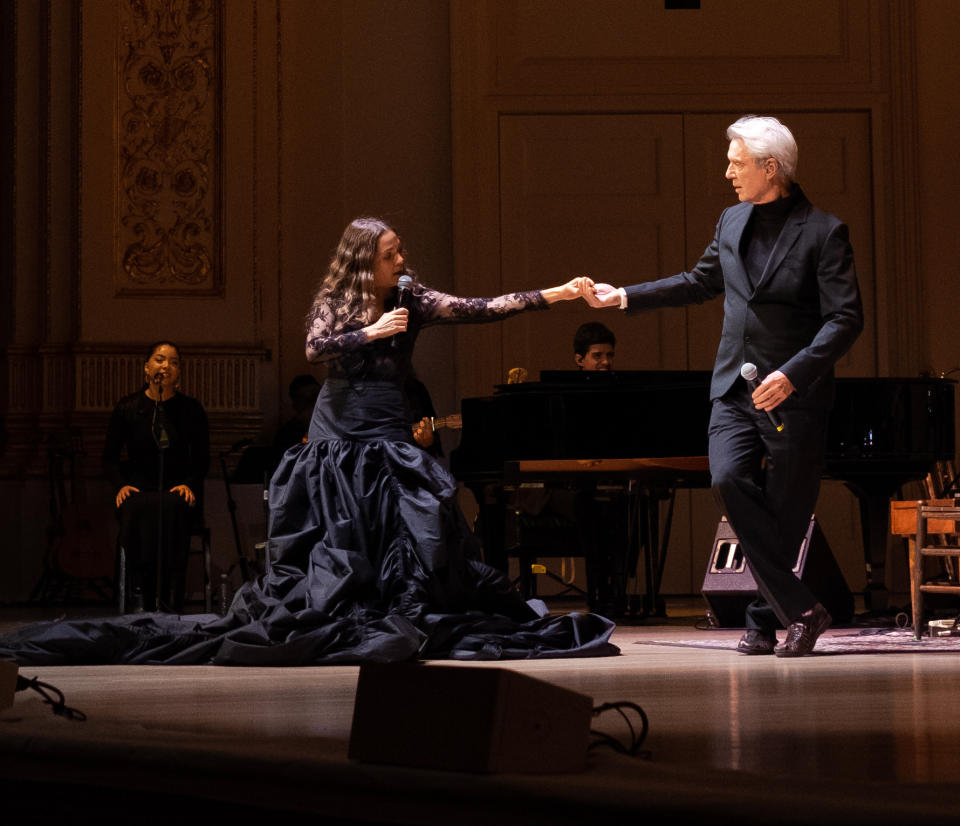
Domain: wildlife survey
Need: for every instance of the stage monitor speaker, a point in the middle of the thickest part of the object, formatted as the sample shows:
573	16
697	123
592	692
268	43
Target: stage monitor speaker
467	719
729	586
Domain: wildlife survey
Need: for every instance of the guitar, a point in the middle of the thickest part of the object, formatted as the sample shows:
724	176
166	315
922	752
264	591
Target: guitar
425	438
452	422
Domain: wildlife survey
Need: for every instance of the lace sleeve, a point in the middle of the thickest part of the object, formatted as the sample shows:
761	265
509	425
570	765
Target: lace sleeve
323	344
441	308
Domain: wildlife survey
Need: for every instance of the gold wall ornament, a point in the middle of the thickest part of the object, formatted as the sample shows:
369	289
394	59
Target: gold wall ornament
169	147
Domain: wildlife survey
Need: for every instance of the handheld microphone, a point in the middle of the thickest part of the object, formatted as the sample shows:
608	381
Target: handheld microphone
159	430
749	373
404	283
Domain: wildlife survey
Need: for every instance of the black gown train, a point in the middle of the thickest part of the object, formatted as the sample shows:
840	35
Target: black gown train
369	558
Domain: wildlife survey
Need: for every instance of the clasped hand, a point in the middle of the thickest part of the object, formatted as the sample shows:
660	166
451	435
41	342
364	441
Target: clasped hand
773	391
582	287
596	295
389	324
600	295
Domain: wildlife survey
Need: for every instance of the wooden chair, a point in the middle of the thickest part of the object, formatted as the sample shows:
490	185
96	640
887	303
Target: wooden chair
937	529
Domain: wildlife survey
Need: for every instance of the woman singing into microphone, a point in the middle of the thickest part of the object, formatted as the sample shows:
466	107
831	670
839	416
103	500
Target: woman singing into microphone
364	527
160	428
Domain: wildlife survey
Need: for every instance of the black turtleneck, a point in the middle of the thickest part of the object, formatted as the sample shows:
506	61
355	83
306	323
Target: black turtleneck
762	231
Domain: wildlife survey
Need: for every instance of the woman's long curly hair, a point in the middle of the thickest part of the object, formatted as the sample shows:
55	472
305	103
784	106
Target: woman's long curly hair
347	288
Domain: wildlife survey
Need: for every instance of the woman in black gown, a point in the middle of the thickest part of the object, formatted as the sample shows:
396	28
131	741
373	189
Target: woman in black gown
163	432
369	558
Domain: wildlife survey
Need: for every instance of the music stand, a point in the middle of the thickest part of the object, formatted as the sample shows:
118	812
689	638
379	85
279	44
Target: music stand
163	442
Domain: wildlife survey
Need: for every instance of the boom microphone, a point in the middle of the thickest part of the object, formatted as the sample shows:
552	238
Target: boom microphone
404	283
749	373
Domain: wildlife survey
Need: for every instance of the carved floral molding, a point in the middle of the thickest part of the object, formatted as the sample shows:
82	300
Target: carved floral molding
169	113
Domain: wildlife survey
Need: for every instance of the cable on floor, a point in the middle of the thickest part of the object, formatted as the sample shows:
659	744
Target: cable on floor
52	696
632	748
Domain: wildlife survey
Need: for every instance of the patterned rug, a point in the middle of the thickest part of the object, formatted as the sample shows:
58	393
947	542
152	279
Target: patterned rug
840	641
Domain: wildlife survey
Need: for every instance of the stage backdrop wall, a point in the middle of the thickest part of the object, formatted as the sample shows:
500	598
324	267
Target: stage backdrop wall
591	140
188	178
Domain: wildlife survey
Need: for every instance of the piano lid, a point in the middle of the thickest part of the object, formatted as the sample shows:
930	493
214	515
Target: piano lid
572	414
900	425
894	427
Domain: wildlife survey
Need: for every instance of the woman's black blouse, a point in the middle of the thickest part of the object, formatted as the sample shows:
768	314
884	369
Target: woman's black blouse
186	459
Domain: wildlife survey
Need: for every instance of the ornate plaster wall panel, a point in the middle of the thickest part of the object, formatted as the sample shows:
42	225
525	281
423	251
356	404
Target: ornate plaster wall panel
169	159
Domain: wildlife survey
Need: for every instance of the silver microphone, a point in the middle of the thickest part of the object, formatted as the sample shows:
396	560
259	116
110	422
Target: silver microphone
404	283
749	373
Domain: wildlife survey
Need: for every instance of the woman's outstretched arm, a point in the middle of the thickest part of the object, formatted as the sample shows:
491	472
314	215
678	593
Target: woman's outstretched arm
439	308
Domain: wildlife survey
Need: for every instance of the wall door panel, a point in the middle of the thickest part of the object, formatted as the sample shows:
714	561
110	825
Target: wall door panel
599	195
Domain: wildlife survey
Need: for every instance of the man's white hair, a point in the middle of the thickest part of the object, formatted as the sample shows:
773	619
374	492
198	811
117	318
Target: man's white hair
766	137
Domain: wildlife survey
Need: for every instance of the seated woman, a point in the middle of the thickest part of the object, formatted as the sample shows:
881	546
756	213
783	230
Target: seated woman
369	557
167	444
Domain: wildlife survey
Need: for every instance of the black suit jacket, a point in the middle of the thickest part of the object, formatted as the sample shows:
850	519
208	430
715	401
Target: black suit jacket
803	315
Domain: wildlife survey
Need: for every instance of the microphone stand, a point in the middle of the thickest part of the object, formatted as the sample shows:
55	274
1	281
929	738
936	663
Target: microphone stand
163	442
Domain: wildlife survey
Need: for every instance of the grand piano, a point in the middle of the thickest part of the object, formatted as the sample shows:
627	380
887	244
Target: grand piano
649	429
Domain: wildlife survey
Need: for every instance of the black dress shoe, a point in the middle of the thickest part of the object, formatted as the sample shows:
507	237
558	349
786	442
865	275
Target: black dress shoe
802	634
756	642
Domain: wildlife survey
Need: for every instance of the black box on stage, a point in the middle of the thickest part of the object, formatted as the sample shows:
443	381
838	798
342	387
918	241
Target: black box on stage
729	586
463	718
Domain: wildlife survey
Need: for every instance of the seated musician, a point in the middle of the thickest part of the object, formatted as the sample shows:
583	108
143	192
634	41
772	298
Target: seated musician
594	346
422	413
577	509
156	455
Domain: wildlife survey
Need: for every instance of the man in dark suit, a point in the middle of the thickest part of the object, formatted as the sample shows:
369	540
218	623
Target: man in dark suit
791	307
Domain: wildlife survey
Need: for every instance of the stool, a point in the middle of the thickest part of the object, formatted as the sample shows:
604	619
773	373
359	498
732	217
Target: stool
936	520
203	533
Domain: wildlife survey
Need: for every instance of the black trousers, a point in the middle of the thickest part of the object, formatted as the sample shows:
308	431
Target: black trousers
767	485
149	523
